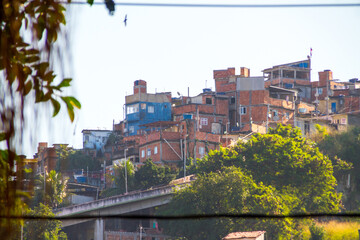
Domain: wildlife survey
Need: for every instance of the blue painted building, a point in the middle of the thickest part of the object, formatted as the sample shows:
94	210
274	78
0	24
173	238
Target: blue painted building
142	108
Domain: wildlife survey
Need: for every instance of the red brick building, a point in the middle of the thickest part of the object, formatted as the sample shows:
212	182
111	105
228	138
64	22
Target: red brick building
294	75
332	96
47	157
251	103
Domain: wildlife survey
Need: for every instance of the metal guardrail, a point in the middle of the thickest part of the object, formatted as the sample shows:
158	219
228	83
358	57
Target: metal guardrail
120	199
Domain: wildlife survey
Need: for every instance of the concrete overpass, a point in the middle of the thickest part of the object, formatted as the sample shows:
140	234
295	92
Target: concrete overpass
119	205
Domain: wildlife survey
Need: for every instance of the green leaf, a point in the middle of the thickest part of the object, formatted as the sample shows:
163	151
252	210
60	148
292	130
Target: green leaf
65	83
28	87
56	106
71	113
2	136
90	2
72	101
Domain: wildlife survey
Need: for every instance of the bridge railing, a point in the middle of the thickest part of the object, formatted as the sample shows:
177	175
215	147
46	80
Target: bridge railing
120	199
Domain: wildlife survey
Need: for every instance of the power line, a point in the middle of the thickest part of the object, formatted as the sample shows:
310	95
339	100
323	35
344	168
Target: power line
184	5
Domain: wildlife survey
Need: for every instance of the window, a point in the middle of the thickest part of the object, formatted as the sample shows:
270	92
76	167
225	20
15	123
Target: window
208	101
143	106
131	129
287	115
149	152
289	85
201	151
275	113
288	74
142	153
86	138
151	109
155	150
132	108
204	121
232	100
242	110
319	91
302	75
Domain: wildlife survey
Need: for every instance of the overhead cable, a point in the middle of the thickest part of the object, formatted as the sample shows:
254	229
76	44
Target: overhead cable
195	5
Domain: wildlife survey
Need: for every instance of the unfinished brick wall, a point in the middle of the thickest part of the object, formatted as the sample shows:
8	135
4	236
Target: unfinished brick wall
140	86
224	73
325	76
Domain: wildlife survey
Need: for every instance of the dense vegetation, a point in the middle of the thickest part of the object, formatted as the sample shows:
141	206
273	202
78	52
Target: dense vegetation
276	173
147	176
344	147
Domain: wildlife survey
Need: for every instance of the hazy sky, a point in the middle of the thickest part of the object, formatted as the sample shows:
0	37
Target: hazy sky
176	48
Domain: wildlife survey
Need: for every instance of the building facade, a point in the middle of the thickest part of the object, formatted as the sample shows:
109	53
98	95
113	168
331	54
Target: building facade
142	108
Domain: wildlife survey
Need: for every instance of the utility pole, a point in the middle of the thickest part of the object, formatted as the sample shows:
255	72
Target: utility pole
227	132
126	185
240	115
267	118
185	156
141	228
104	173
327	98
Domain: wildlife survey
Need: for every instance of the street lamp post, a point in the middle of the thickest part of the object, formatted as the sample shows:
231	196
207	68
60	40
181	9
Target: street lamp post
126	185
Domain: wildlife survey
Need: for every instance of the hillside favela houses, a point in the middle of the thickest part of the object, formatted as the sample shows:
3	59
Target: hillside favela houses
170	130
173	130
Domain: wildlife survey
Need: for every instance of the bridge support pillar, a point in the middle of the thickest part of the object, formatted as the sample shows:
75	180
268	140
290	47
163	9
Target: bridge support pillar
99	229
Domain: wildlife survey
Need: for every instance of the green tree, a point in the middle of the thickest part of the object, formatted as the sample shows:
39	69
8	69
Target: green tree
285	160
55	189
150	175
229	191
75	159
43	229
317	232
119	179
343	148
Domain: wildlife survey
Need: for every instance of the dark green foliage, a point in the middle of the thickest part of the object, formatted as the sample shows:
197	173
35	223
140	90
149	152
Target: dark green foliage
147	176
277	173
150	175
119	180
343	148
55	190
317	232
344	145
227	192
43	229
75	160
286	161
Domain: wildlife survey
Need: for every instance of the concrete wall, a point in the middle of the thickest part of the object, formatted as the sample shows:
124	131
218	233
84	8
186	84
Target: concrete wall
249	83
95	139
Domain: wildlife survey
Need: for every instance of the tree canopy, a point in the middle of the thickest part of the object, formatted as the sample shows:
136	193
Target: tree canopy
275	173
229	191
43	229
76	159
54	192
150	175
147	176
285	160
343	148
